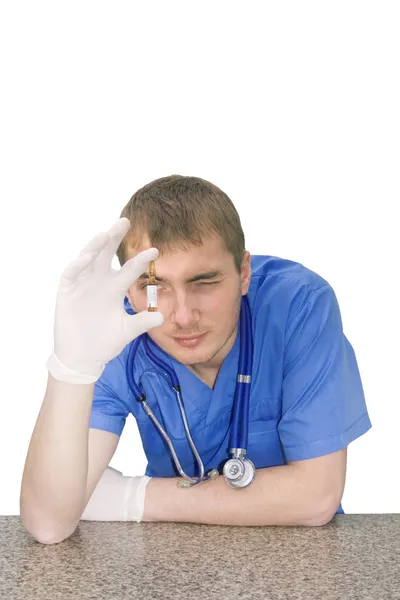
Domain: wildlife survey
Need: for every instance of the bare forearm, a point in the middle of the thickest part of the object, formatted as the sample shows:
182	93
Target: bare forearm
55	474
277	496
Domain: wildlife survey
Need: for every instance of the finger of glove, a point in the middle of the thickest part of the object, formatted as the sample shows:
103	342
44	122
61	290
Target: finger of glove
86	259
117	233
76	267
96	244
105	244
135	325
135	267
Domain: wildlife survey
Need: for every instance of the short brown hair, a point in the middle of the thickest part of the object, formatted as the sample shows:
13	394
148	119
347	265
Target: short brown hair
177	211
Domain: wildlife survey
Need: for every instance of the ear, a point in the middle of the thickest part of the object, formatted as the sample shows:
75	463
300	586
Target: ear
245	274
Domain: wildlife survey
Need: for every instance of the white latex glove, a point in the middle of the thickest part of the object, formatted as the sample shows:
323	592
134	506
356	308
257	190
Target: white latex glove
117	498
91	325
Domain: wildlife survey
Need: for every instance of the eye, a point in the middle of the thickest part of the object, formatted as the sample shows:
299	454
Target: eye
208	282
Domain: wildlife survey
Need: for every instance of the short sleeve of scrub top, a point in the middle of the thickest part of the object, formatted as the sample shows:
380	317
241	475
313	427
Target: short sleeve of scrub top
110	408
323	404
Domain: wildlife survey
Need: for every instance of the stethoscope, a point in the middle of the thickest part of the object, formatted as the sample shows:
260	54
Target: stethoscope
238	470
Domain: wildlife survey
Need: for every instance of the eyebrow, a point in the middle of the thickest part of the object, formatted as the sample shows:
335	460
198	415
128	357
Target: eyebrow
202	276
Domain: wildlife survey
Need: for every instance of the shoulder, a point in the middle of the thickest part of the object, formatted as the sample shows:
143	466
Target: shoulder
275	269
282	287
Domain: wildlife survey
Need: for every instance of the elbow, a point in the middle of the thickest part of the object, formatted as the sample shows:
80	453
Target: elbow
320	521
46	527
322	513
45	535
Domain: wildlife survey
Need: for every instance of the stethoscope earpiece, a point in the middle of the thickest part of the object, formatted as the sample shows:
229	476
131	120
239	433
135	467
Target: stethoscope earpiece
184	483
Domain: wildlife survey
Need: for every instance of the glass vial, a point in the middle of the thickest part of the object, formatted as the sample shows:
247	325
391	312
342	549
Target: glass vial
152	288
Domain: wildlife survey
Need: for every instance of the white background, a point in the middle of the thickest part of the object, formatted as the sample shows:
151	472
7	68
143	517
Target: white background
292	108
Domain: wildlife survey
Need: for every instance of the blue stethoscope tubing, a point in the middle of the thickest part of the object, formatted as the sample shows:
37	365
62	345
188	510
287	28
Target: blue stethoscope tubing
238	471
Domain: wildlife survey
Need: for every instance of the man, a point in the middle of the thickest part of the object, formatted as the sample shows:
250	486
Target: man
306	402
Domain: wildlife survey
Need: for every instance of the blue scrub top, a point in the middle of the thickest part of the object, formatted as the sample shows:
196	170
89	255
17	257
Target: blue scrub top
306	395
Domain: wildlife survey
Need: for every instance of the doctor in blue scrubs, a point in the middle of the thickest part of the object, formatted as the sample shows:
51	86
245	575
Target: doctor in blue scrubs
306	398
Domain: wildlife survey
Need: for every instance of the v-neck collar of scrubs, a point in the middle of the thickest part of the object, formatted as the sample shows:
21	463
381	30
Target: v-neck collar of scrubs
198	396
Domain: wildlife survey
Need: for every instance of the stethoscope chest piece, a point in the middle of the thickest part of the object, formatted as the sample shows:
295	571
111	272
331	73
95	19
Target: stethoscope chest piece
239	472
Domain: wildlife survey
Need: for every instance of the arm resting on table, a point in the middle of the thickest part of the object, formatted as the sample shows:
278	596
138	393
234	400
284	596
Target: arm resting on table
306	492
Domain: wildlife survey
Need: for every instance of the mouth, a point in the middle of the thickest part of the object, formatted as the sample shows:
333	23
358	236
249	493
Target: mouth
190	341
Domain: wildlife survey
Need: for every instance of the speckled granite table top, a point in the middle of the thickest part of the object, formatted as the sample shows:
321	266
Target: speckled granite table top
353	557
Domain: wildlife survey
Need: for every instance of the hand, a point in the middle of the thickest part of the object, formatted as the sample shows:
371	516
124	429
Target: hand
91	325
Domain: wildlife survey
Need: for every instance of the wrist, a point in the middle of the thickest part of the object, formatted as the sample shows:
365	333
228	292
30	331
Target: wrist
62	373
163	496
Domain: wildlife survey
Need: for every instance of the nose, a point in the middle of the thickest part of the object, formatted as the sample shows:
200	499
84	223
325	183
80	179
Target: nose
184	314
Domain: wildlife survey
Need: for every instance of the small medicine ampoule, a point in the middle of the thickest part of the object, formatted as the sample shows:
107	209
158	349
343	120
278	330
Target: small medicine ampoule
152	288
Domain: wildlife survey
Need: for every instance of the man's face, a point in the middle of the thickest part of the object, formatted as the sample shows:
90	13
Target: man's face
199	294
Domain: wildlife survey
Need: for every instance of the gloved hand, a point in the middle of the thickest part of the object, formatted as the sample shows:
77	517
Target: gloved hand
117	498
91	325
